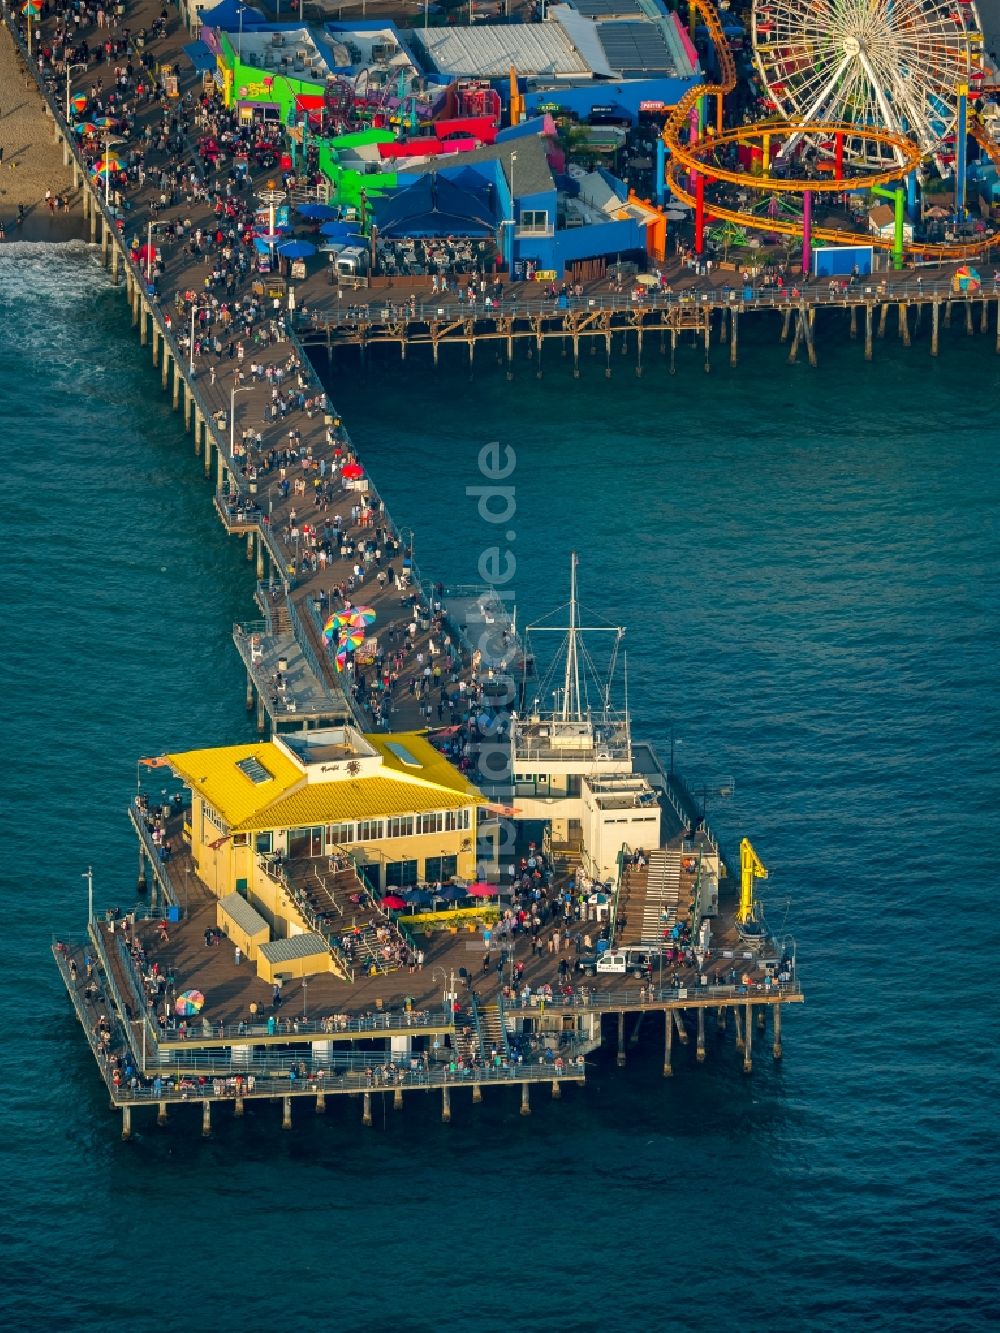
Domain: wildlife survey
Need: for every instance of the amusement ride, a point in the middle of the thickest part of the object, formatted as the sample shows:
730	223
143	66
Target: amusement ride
866	96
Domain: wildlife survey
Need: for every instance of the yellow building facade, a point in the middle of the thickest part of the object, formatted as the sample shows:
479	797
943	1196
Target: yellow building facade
401	811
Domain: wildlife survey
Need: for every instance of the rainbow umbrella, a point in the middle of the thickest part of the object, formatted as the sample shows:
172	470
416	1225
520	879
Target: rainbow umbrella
78	102
341	658
85	127
351	638
103	164
31	9
334	623
363	615
189	1003
106	122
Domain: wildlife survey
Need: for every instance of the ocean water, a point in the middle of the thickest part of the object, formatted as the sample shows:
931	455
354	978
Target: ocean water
807	563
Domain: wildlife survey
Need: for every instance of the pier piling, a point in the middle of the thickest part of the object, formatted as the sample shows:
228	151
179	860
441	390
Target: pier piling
786	324
739	1029
935	326
854	321
126	1122
366	1109
556	1090
320	1102
681	1029
477	1092
700	1040
161	1114
748	1040
525	1099
733	336
446	1105
206	1118
969	330
868	332
883	315
776	1048
621	1040
668	1044
286	1113
238	1107
397	1098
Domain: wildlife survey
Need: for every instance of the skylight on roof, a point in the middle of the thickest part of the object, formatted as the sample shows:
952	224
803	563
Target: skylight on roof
403	754
254	770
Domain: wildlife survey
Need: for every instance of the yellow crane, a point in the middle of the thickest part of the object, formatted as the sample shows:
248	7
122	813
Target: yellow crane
751	868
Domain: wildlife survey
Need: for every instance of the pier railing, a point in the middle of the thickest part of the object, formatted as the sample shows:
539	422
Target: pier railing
677	996
885	287
223	1087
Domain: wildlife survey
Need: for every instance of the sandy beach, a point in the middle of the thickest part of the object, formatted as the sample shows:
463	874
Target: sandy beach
31	162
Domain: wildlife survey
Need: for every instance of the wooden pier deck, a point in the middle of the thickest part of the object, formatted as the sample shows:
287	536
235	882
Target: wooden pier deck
243	424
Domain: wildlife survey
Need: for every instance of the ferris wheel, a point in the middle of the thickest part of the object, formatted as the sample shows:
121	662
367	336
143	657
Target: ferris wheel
893	65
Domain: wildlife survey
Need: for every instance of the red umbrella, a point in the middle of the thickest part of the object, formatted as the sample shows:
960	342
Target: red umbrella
352	471
482	890
394	902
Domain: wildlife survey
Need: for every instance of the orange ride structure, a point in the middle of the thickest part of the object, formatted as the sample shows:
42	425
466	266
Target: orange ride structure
830	83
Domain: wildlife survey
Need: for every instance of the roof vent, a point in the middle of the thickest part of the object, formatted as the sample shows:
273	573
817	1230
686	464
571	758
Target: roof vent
254	770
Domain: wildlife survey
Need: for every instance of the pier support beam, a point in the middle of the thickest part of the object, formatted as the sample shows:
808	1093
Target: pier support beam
126	1123
165	372
883	315
238	1107
668	1044
206	1118
854	321
115	263
734	334
446	1105
700	1040
904	323
868	332
366	1110
261	713
935	326
175	400
673	351
776	1048
477	1092
286	1113
320	1102
156	342
708	341
968	319
525	1099
556	1089
621	1040
984	317
998	326
739	1029
397	1098
681	1029
748	1040
786	324
161	1113
250	696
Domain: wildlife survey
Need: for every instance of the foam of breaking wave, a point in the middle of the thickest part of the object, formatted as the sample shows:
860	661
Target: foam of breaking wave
49	271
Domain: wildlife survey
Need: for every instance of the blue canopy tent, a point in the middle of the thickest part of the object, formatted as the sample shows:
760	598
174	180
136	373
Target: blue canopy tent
317	212
435	206
226	15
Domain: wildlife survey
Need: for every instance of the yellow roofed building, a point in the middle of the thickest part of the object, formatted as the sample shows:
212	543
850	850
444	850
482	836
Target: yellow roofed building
299	802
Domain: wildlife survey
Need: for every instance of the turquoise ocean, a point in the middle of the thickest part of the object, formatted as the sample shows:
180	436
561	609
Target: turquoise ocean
809	569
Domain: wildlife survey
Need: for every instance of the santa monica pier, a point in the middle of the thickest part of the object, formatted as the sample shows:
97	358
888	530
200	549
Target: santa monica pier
447	864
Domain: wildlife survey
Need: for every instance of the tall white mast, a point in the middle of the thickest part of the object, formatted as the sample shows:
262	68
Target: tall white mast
571	685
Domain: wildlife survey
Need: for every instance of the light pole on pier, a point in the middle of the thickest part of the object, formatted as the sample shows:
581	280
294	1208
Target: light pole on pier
88	875
69	70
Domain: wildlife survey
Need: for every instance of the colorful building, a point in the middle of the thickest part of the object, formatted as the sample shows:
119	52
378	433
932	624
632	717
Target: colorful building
390	804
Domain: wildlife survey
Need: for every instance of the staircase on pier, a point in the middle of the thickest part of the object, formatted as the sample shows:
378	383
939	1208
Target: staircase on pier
652	899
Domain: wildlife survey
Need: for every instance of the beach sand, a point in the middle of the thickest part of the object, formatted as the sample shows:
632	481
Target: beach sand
32	163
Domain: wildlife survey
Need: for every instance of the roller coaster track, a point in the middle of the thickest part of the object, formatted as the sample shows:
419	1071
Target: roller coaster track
691	157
